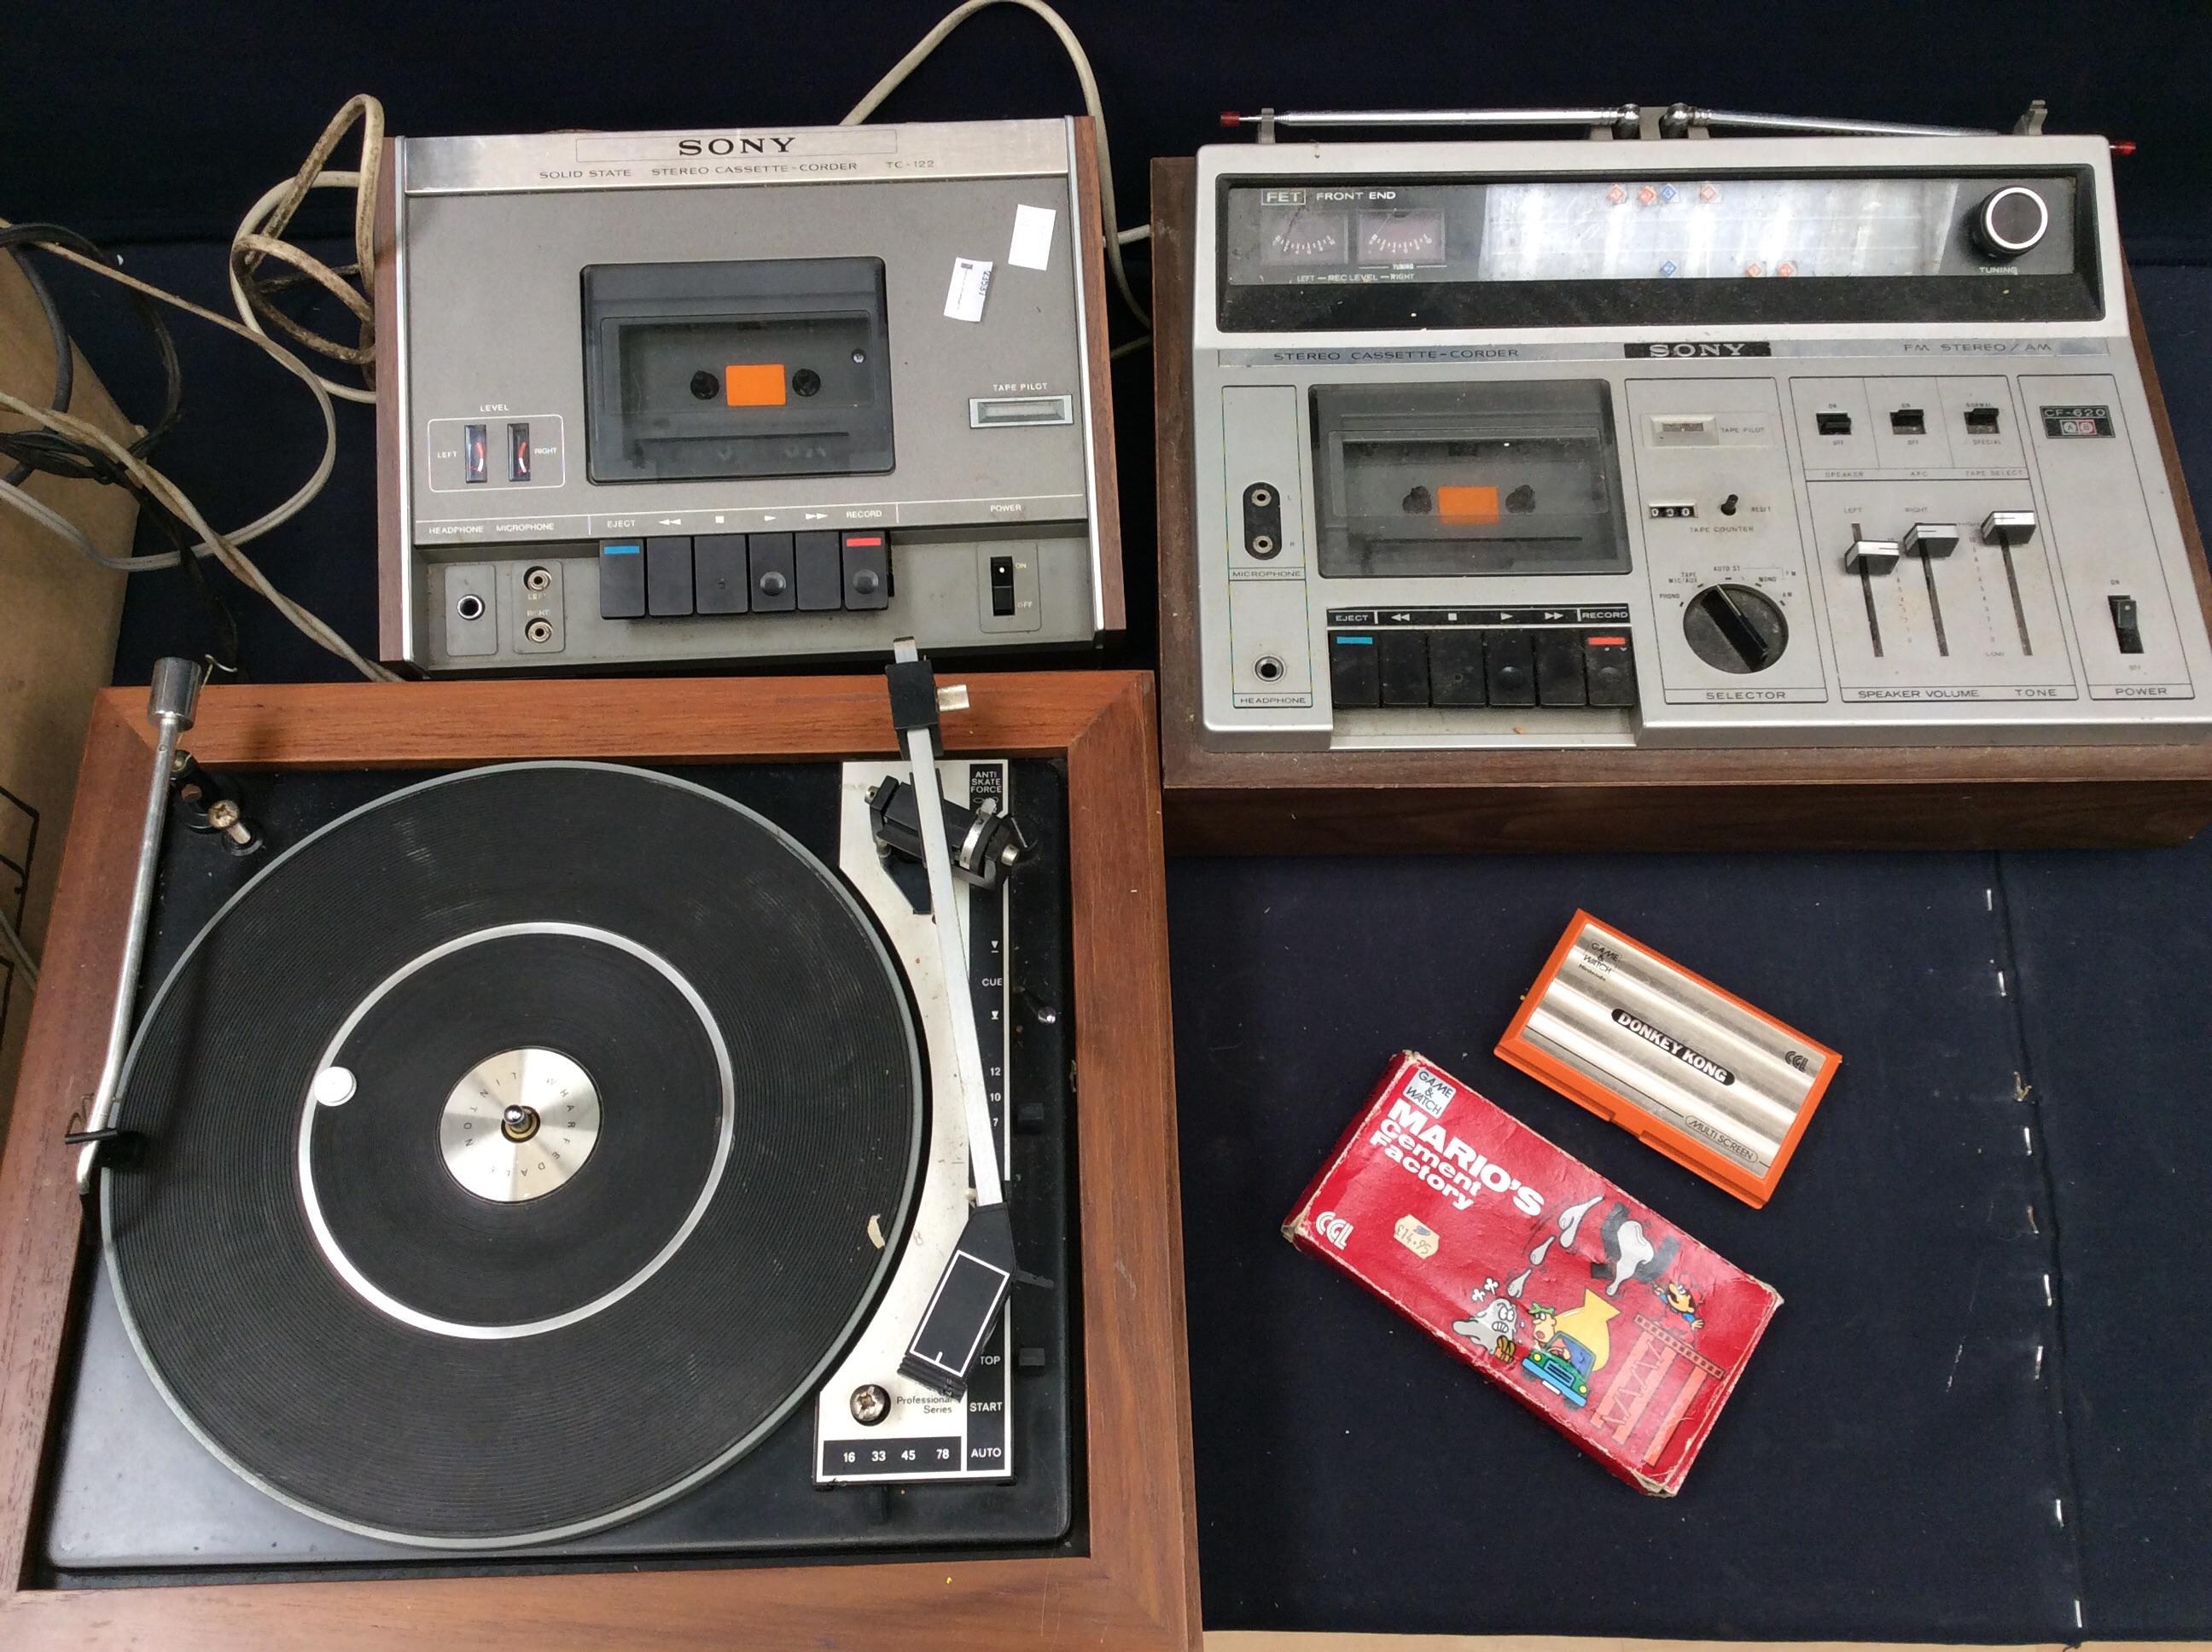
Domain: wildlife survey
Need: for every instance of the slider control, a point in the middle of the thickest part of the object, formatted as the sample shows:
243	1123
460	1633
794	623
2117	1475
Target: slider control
2005	529
1869	555
1931	539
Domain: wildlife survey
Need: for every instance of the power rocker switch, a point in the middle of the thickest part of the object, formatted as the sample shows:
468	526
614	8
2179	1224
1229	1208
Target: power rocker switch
2127	626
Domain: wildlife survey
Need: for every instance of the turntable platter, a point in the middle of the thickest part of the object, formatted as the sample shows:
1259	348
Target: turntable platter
508	1152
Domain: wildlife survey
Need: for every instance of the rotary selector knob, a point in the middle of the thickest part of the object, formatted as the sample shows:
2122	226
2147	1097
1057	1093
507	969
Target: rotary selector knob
2009	222
1735	629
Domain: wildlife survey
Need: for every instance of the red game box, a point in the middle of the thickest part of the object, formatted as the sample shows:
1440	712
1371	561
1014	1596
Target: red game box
1612	1324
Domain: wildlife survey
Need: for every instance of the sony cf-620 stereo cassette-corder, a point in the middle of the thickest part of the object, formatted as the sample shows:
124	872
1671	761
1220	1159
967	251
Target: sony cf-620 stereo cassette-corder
1768	440
649	397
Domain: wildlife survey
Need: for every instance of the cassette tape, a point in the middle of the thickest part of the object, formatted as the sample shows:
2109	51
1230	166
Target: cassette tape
1720	1087
743	367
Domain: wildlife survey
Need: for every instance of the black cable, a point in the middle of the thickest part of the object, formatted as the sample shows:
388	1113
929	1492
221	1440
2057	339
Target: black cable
224	656
56	454
65	354
16	237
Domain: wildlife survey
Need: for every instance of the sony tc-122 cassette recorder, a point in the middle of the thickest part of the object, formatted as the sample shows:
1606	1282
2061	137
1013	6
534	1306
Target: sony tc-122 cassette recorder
663	397
1765	441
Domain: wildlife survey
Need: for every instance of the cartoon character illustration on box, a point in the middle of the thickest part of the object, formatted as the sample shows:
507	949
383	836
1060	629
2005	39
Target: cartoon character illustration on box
1570	1347
1571	1223
1680	1298
1629	1252
1495	1325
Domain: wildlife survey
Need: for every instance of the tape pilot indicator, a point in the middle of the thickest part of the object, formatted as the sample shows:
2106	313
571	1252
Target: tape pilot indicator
1757	440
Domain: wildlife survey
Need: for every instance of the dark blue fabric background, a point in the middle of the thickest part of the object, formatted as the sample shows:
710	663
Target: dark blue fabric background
1895	1466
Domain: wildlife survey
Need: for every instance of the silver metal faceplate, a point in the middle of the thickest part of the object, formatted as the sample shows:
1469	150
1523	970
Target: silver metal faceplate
493	235
922	1435
2030	649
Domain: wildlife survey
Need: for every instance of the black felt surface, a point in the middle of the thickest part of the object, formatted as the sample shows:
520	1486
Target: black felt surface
1887	1468
2115	955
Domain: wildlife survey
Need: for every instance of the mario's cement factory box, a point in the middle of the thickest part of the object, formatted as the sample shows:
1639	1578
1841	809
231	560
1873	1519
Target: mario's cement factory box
1615	1327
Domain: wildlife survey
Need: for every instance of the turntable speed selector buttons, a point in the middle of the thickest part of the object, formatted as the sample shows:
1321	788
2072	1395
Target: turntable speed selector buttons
1735	629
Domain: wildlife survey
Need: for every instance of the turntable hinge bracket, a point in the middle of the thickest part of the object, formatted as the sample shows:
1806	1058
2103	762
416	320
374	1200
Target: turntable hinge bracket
208	802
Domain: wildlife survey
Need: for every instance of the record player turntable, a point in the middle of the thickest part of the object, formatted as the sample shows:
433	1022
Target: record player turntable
560	1164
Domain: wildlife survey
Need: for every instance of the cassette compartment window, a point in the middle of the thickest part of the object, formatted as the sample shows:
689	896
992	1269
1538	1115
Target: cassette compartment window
754	367
1518	478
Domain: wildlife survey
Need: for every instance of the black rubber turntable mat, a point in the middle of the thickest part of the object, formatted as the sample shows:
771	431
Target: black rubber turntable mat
674	1297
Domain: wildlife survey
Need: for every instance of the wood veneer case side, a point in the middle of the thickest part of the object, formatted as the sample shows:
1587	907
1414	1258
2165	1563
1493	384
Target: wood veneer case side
1173	182
1088	236
391	440
702	719
1455	819
40	1216
1135	1345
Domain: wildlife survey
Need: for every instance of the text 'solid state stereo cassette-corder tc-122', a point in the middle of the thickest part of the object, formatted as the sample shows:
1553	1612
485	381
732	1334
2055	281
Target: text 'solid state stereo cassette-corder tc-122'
664	398
1743	462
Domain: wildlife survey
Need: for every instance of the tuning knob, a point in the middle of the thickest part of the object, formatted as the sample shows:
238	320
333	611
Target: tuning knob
1733	628
2009	222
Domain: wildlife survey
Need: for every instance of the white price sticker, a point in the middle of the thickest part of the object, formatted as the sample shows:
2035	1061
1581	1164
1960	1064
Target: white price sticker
971	284
1032	243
